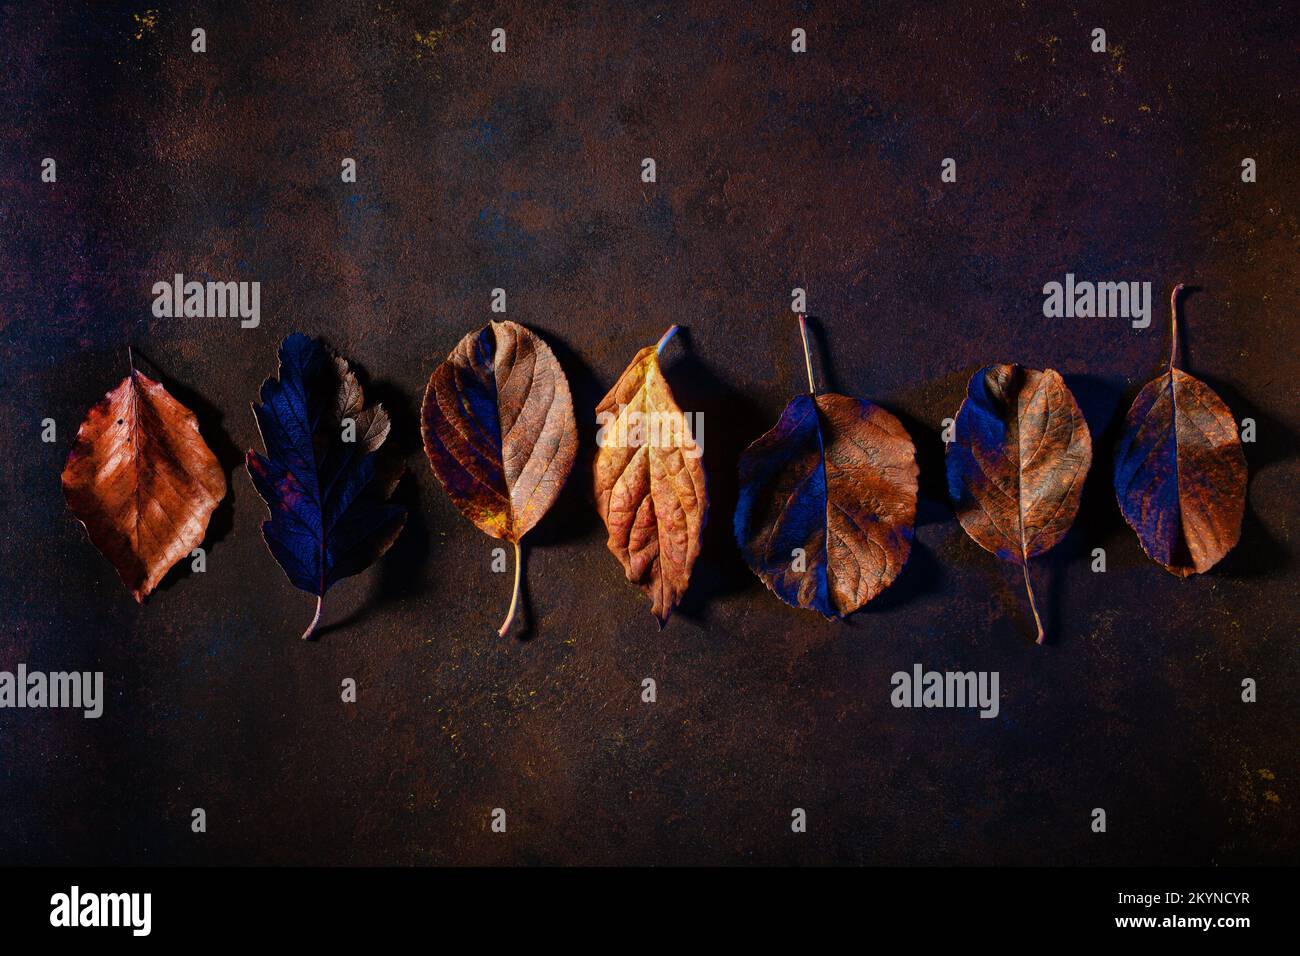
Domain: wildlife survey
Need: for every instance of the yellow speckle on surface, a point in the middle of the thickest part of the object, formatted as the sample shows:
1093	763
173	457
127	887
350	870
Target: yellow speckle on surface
1272	797
1267	774
1144	108
145	22
427	41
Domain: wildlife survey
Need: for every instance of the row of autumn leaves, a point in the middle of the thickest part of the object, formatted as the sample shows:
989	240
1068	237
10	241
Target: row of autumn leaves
827	499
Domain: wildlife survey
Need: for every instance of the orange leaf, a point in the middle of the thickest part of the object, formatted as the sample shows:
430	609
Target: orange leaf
649	483
142	481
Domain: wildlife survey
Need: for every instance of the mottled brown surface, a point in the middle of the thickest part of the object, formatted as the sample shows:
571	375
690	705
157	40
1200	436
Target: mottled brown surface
521	171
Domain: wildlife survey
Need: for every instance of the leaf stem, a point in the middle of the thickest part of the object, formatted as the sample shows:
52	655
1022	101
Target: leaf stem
807	356
514	598
1173	325
1033	606
311	628
672	330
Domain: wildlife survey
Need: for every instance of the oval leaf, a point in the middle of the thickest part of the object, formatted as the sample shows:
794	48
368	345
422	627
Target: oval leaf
649	482
142	481
1017	463
323	477
827	502
1180	471
499	431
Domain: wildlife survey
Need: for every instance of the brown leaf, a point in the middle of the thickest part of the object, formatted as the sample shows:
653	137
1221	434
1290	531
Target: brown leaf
649	482
1180	472
142	481
1017	462
499	431
828	501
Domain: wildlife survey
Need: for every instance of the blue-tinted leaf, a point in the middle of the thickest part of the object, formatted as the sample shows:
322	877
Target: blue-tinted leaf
1180	471
1017	463
499	432
328	496
827	502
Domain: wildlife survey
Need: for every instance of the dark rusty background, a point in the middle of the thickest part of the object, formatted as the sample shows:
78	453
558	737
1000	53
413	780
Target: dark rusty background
774	170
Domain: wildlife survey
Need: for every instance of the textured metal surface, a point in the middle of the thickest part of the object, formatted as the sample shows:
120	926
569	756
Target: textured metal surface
521	171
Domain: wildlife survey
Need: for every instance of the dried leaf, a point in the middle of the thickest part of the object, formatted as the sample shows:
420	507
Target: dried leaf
649	482
499	432
1180	472
328	495
1017	463
827	501
142	481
